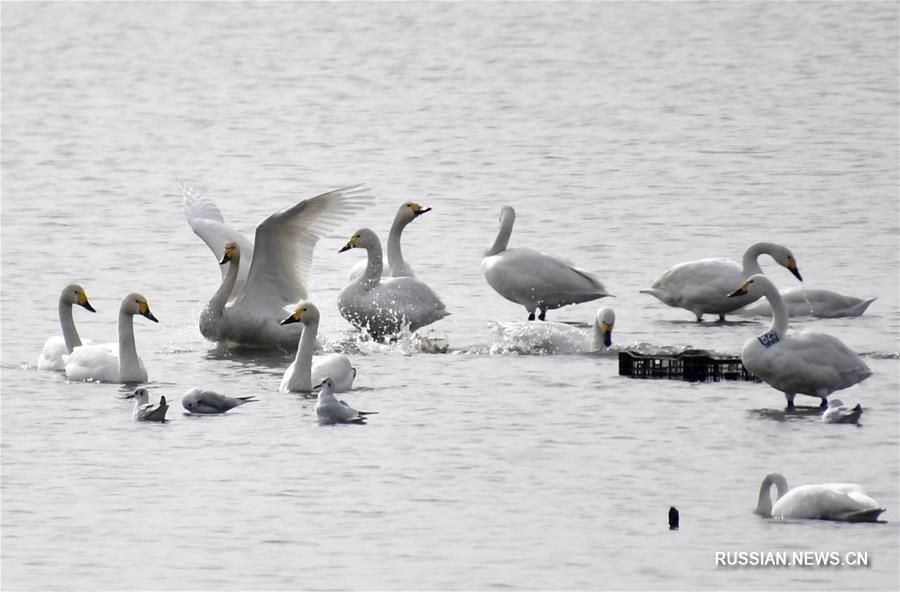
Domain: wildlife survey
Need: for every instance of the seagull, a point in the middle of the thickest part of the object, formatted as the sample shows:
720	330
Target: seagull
209	402
837	412
331	411
146	411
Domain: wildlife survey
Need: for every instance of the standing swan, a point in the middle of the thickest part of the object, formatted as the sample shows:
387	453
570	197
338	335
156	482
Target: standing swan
533	279
302	373
96	362
397	266
846	502
252	298
56	347
702	286
814	364
383	307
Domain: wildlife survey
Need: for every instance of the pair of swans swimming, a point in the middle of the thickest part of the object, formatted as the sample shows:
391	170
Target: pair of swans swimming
702	287
253	297
845	502
110	362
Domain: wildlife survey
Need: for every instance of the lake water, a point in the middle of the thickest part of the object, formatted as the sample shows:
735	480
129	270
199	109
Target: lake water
629	137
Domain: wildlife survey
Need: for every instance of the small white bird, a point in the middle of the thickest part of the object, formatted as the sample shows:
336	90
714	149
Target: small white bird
330	410
144	410
837	412
56	348
209	402
846	502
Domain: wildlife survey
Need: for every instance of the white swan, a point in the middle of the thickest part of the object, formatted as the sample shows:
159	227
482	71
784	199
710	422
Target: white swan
96	362
144	410
331	411
208	402
846	502
812	302
533	279
397	266
703	286
814	364
56	347
252	298
382	307
556	338
303	373
837	412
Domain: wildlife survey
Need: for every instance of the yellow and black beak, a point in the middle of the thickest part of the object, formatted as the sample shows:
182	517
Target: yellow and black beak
83	301
294	318
419	210
792	266
350	245
145	312
606	329
229	253
742	291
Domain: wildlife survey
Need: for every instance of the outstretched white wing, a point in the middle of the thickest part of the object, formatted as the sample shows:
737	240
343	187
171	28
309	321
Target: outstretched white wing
208	223
284	244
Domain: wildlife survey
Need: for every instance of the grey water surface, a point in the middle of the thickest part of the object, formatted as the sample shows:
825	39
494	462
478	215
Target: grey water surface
628	136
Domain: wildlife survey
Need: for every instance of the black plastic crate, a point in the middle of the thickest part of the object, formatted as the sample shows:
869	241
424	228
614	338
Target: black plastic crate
690	365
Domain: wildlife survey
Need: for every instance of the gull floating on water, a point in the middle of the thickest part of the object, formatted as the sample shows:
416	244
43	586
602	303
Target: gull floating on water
209	402
146	411
331	411
837	412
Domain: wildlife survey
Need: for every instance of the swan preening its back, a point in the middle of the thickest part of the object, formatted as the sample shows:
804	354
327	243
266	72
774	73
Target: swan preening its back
535	280
56	348
97	362
302	374
702	286
397	265
814	364
383	307
845	502
253	297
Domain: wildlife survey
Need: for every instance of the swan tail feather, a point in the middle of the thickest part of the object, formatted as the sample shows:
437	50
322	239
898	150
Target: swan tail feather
870	515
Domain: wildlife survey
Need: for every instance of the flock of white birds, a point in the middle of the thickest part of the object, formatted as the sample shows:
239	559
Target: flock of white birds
263	301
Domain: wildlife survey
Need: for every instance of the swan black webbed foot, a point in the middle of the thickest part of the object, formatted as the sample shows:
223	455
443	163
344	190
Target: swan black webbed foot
543	315
531	316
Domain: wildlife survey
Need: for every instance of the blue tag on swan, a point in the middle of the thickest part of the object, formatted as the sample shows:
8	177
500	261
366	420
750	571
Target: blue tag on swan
768	339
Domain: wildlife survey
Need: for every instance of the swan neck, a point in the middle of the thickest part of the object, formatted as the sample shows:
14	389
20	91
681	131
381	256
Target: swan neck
302	378
374	266
502	240
779	311
220	298
67	324
128	358
750	262
597	342
764	504
396	263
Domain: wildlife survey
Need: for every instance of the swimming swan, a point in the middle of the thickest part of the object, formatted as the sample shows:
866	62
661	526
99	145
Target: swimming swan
383	307
837	412
209	403
331	411
96	362
303	373
814	364
56	347
144	410
846	502
533	279
812	302
397	266
556	338
703	286
248	311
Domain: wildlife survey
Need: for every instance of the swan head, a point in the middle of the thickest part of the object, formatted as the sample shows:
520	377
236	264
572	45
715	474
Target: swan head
306	313
74	294
232	252
757	285
362	238
606	320
410	211
785	258
507	213
134	304
140	395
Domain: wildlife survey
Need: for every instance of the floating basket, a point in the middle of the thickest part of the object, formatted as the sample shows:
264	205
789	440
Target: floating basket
691	365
